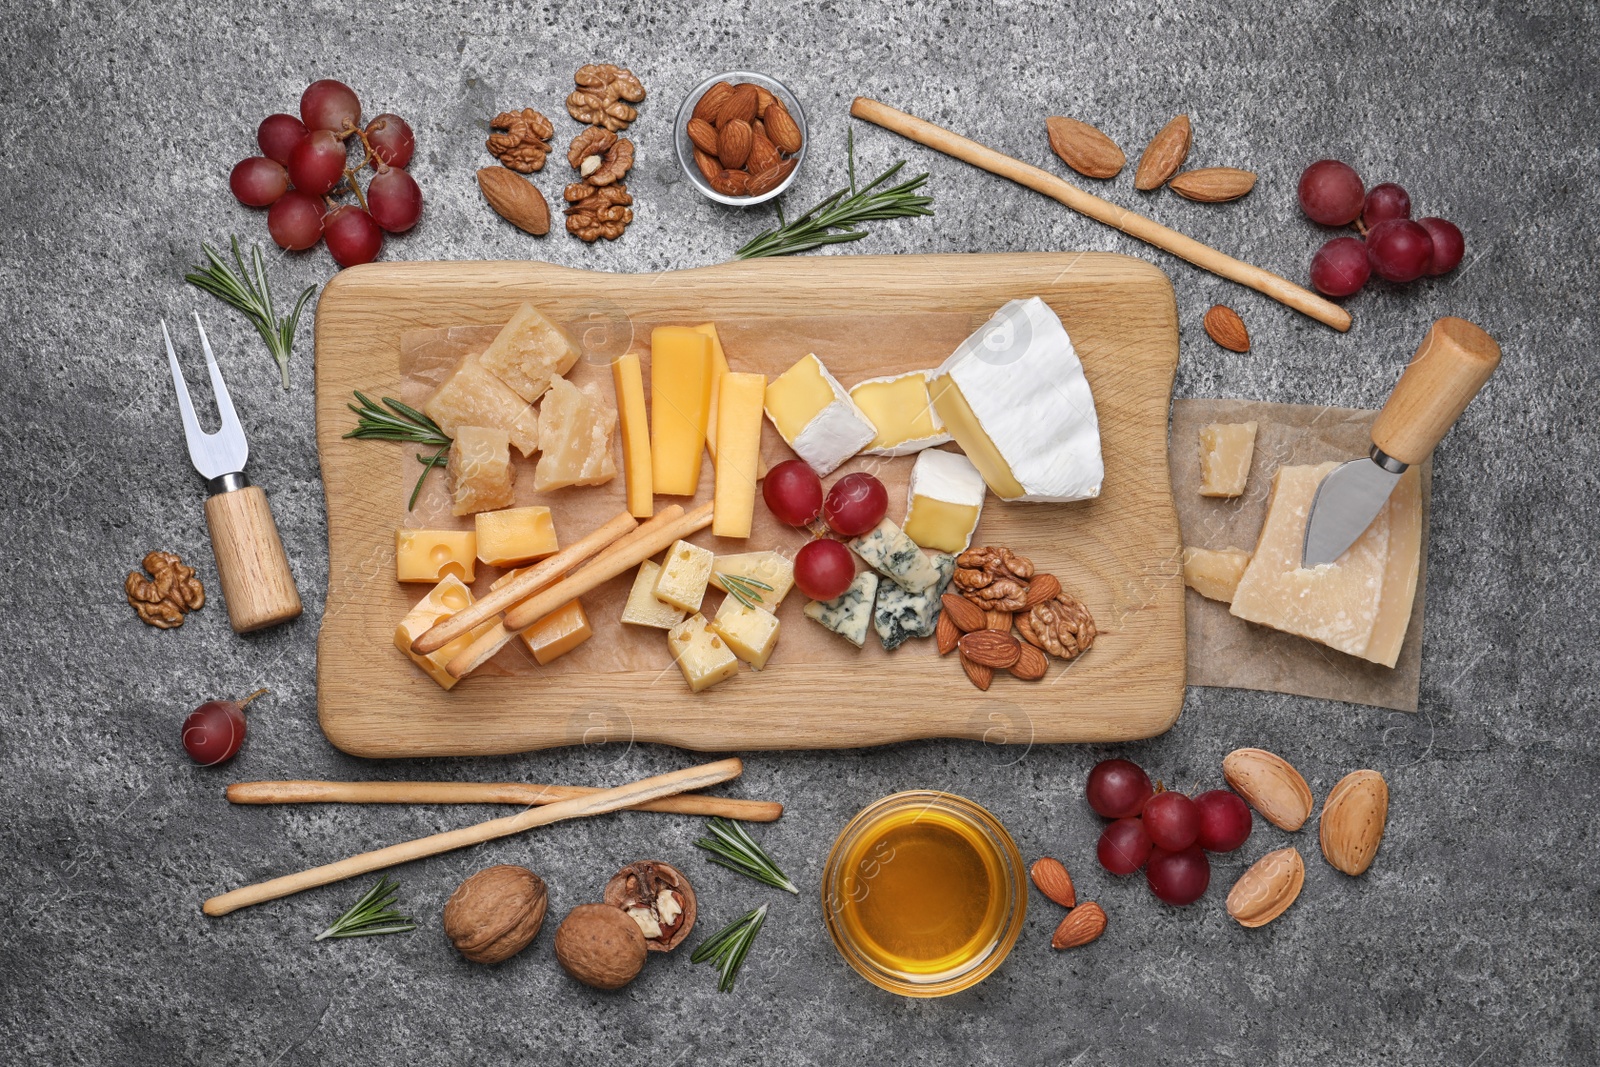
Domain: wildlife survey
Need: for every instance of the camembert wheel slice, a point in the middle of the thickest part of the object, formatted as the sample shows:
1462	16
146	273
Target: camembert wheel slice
943	501
901	413
816	417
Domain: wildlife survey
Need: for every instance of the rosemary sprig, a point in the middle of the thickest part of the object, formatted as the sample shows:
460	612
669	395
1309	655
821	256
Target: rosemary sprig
731	846
247	290
842	211
401	422
372	914
744	589
728	947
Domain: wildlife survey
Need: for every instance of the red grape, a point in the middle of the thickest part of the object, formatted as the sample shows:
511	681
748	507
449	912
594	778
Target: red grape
1224	820
1399	250
1178	878
352	235
1448	244
258	181
1385	202
1171	820
391	139
317	163
295	221
394	200
1118	788
1340	267
793	492
329	105
823	569
1331	193
214	731
1124	846
856	503
278	134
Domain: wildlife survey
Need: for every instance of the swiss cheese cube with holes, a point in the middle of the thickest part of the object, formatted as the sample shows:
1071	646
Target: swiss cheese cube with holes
429	555
701	653
443	601
751	633
684	575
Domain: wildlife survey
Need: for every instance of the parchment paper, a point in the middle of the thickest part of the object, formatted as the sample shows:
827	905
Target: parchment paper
1229	652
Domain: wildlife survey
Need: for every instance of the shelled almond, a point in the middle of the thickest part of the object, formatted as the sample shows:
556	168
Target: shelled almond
746	143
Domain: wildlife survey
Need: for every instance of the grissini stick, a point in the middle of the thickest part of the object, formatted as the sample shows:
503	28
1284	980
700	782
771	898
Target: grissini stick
1085	203
622	796
523	793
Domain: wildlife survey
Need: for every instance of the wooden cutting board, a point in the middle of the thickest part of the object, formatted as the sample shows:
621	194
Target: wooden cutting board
1119	553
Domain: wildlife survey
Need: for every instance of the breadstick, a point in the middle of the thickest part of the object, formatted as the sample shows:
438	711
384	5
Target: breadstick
313	792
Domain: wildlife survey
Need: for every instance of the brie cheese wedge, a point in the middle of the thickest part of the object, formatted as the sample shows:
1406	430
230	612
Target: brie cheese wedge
813	413
943	501
901	413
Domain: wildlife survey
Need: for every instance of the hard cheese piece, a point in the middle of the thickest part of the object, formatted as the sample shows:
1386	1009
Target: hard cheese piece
680	407
528	352
901	413
444	600
575	428
515	535
770	568
899	616
738	414
479	470
752	634
944	501
683	577
429	555
700	652
1214	573
1359	604
471	396
1014	397
889	551
643	609
629	382
558	633
814	414
850	614
1225	453
719	367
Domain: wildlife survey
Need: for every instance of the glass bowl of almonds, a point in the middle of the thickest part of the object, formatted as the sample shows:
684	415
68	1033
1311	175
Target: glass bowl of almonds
741	137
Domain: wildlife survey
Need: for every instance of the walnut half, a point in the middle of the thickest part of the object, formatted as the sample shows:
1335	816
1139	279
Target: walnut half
658	898
598	100
525	143
597	213
1062	627
996	579
171	590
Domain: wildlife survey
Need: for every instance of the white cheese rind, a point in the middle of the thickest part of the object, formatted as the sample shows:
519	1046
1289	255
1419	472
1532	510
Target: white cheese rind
887	550
850	614
911	445
835	433
898	616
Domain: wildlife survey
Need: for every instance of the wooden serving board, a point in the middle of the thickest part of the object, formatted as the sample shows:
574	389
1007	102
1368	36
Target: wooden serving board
871	315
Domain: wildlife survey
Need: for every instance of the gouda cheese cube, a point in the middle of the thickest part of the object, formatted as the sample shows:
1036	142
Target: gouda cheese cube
701	654
629	382
1226	450
751	634
770	568
680	407
429	555
515	535
739	416
684	575
528	352
444	600
643	609
558	633
471	396
1214	573
479	470
575	428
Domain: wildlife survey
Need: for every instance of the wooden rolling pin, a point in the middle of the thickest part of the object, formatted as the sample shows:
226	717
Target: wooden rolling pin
1085	203
525	794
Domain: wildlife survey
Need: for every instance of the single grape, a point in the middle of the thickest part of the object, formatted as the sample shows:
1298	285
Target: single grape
329	105
1224	820
856	503
1399	250
391	139
1178	878
295	221
1385	202
793	492
1124	846
1448	244
317	164
1340	267
214	731
1117	788
1171	820
394	199
258	181
352	235
1331	193
823	569
278	134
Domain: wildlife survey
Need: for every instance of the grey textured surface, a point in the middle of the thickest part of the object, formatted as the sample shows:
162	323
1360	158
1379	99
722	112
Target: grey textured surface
1472	940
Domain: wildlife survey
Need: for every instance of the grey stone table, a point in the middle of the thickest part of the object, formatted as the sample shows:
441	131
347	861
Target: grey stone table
1474	938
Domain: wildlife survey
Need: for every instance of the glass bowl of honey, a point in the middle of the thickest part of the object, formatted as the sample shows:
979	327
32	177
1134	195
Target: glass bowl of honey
924	893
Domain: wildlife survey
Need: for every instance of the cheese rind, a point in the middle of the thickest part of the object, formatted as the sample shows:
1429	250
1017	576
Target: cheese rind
479	470
628	379
528	352
738	416
752	634
814	414
643	609
680	407
471	396
575	429
898	615
772	568
1214	573
558	633
887	549
901	413
442	601
431	555
514	536
1226	450
700	653
944	500
850	613
684	575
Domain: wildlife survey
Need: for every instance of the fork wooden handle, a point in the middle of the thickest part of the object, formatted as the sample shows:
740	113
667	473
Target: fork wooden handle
257	584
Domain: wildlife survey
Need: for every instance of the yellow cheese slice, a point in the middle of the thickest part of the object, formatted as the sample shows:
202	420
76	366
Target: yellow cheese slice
963	425
629	382
739	414
680	406
558	633
1214	573
1226	450
515	535
528	352
479	470
575	428
719	367
444	600
430	555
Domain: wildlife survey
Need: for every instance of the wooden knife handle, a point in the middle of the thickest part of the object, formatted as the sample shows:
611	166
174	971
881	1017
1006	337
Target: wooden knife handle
1453	362
257	584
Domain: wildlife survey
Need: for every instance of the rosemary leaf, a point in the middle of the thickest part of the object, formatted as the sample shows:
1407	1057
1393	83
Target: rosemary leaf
247	290
373	914
744	589
728	947
731	846
401	422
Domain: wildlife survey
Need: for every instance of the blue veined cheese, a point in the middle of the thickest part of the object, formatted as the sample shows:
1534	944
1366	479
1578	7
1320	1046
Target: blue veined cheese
899	616
888	550
850	613
815	416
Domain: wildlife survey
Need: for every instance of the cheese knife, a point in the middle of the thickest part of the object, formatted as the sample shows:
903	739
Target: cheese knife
1450	367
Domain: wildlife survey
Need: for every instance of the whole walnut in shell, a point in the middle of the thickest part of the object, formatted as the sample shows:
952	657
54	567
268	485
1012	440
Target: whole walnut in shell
600	946
658	897
496	913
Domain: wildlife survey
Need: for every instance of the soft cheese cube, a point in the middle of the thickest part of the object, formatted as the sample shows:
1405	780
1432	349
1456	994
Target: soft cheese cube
752	634
850	613
444	600
558	633
528	352
898	616
1226	450
643	609
1214	573
813	413
684	575
891	553
943	501
479	470
770	568
471	396
515	535
575	428
701	654
429	555
901	412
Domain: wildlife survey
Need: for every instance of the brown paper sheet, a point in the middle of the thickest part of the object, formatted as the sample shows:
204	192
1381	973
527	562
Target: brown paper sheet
1228	652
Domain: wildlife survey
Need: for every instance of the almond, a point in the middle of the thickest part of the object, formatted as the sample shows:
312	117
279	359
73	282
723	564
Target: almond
704	136
515	199
1082	925
711	102
1084	148
764	100
1043	587
945	634
964	613
708	165
1163	155
1224	326
763	155
1031	665
733	144
781	128
769	179
1053	881
997	620
1266	890
1213	185
1270	785
732	183
977	673
1352	821
991	648
740	106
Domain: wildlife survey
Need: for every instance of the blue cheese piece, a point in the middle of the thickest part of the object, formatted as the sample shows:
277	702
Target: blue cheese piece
899	616
888	550
850	614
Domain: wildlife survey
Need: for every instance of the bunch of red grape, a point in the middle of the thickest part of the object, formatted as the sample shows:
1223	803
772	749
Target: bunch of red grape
824	568
1166	833
1396	248
305	160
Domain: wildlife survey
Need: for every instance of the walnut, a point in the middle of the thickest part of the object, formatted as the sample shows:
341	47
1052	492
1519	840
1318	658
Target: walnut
496	913
659	898
996	579
525	144
171	590
600	946
593	141
1062	627
599	157
597	213
598	100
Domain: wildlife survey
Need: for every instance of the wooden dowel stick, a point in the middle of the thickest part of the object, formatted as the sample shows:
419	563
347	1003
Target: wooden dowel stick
1129	222
523	793
622	796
